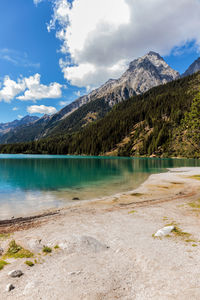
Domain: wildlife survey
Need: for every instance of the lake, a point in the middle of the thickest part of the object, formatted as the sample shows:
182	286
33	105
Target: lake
32	183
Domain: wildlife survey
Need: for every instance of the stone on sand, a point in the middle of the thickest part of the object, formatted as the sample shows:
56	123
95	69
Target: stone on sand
164	231
15	273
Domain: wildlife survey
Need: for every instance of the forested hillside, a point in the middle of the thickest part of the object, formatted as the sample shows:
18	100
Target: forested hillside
162	122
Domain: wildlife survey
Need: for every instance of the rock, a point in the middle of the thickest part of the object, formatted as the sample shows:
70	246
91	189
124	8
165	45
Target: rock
92	244
75	198
1	251
164	231
15	273
74	273
9	287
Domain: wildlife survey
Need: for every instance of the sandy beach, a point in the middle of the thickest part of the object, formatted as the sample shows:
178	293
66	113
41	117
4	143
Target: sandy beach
106	249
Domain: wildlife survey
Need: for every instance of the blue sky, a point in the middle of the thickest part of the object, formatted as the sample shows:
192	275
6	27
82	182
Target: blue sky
72	52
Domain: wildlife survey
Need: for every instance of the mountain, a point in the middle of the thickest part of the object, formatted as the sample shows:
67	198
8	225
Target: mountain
164	122
193	68
6	127
142	74
25	131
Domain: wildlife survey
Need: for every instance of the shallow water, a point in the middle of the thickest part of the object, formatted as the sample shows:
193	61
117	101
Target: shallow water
31	183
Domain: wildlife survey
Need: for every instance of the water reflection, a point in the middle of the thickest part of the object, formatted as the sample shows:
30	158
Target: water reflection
30	183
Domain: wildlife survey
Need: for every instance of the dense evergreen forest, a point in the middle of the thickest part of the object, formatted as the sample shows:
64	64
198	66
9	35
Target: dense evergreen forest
165	121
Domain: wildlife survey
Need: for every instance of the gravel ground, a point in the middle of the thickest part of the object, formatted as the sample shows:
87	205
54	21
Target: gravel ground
107	249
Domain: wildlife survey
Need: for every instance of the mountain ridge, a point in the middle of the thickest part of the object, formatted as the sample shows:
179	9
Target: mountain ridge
142	74
163	122
6	127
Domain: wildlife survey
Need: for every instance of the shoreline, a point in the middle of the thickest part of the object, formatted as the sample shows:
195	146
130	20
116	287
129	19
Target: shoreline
21	221
106	249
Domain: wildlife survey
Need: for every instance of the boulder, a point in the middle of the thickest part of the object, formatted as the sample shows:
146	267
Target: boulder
164	231
15	273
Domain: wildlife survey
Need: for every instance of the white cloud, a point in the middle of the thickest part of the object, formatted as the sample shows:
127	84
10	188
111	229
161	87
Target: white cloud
31	87
20	116
101	37
15	108
11	89
41	109
36	90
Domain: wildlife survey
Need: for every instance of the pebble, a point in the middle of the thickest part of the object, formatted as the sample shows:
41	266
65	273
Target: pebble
9	287
15	273
1	251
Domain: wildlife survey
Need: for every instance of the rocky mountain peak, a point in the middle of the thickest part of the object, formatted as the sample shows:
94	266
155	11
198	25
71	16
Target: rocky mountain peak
143	73
193	68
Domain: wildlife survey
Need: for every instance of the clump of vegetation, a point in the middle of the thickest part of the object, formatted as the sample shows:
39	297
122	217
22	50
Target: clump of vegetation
194	245
132	211
16	251
4	235
29	263
195	177
46	249
137	194
178	232
2	264
195	204
56	247
190	241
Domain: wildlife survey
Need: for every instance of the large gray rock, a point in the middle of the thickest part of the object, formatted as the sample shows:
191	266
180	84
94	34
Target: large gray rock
15	273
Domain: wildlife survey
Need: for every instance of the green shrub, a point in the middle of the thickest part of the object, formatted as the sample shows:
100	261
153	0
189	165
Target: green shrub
47	249
16	251
29	263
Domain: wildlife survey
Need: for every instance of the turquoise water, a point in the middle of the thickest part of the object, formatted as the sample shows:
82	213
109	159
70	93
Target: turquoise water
31	183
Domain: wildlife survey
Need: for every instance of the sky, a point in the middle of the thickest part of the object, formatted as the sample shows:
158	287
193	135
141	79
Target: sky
54	51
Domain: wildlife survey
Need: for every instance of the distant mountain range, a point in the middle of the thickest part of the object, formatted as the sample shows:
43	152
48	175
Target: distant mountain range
7	127
143	74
